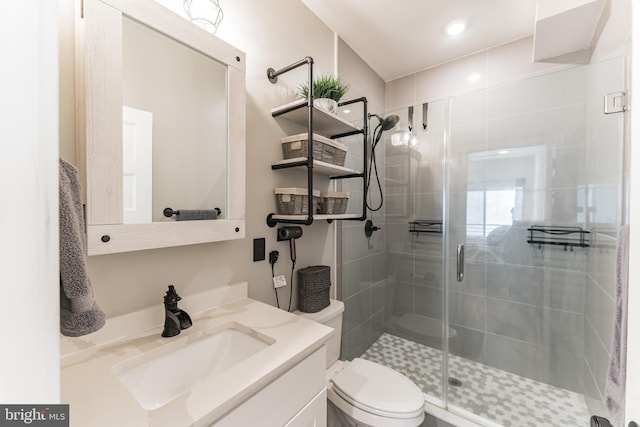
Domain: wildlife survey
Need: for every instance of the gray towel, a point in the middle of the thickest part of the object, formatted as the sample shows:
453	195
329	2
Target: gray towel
615	385
194	215
79	314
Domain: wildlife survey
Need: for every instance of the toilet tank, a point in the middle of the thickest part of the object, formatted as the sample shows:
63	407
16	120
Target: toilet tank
331	317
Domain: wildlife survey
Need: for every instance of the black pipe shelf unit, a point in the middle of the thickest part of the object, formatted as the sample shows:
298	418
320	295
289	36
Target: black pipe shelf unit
303	112
569	237
433	226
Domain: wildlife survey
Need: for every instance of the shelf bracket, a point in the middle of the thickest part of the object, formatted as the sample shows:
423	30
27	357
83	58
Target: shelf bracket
272	222
272	74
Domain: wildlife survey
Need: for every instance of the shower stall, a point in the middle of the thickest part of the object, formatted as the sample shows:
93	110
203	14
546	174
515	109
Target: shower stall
491	280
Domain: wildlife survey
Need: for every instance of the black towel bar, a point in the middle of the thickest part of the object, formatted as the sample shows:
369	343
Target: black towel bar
168	212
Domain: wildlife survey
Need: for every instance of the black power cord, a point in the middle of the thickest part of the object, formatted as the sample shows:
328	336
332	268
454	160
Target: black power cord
273	258
292	253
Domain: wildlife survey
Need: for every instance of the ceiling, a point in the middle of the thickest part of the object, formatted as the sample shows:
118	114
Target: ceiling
405	36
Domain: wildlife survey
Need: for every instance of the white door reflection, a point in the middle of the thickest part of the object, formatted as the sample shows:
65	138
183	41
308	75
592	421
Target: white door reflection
137	149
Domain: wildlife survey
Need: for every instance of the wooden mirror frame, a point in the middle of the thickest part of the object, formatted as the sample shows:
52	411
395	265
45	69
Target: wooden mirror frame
99	128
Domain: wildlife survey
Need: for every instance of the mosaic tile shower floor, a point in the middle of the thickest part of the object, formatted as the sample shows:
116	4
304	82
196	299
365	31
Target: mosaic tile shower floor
499	396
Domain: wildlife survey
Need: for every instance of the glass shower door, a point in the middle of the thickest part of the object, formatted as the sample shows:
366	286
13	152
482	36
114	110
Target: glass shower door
521	157
414	244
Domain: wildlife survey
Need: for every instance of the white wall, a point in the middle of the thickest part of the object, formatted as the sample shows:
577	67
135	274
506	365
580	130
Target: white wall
29	362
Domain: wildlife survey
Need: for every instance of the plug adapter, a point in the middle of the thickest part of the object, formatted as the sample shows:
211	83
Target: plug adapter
273	257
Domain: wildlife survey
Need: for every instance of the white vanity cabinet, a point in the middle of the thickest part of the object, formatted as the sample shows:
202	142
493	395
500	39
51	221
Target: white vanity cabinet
312	415
280	383
297	398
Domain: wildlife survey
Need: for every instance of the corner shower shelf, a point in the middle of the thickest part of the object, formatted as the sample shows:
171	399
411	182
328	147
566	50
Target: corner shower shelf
558	235
426	226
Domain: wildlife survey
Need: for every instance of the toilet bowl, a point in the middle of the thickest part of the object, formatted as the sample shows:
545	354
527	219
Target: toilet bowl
362	393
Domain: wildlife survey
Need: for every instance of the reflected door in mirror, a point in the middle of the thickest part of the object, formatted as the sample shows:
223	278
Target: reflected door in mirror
186	92
137	152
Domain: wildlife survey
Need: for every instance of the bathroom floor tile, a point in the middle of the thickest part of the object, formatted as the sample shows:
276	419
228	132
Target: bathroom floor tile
499	396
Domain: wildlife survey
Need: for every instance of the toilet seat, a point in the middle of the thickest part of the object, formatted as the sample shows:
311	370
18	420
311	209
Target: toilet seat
378	390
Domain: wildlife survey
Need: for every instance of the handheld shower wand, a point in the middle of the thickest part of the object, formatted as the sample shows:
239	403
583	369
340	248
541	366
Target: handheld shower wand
384	124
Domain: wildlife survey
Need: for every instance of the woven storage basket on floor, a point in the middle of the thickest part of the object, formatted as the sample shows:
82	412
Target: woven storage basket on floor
313	288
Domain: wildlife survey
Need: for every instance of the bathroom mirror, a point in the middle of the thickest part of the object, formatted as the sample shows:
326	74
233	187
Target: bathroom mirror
165	96
175	119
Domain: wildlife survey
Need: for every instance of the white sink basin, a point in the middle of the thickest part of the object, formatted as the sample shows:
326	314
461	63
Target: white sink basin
157	377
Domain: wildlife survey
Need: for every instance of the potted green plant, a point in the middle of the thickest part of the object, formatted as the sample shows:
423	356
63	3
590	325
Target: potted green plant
327	91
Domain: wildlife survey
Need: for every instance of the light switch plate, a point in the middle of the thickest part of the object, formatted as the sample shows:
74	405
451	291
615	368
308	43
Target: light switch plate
259	249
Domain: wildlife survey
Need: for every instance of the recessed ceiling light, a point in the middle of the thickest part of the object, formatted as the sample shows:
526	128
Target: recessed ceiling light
474	77
456	27
346	111
503	152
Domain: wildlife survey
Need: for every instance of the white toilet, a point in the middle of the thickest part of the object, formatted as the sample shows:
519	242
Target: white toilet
362	393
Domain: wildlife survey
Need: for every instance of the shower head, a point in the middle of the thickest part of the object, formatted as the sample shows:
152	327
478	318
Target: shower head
388	122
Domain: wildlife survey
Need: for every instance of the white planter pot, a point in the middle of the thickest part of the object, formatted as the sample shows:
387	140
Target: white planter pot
326	104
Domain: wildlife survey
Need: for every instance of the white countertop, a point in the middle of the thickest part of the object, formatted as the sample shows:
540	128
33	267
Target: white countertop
97	397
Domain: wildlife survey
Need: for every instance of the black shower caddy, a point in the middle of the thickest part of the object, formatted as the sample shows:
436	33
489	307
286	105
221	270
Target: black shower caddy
558	235
303	112
419	226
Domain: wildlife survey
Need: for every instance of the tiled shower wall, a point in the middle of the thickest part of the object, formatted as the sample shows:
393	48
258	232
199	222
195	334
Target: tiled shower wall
361	260
540	312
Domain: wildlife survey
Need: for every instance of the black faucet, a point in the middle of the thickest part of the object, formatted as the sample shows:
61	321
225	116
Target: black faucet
174	318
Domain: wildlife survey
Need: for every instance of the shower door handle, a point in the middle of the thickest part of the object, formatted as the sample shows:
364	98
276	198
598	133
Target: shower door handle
460	263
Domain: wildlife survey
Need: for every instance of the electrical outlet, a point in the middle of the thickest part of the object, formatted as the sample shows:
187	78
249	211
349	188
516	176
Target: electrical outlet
259	250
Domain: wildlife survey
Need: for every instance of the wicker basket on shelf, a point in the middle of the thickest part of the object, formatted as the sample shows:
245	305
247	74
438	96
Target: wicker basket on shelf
313	288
